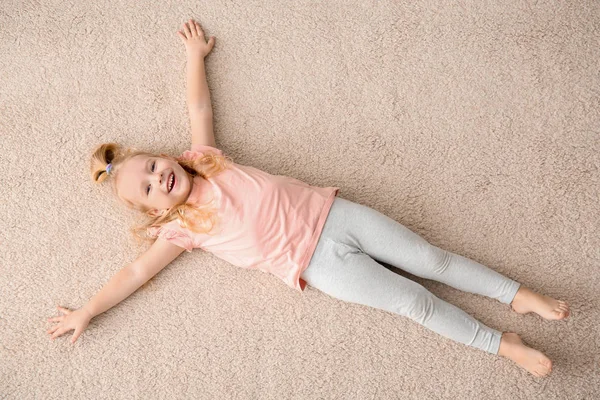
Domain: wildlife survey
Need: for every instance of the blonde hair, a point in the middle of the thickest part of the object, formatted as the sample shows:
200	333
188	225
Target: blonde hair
197	218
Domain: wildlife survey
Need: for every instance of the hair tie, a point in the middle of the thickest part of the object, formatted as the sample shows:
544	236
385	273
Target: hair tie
108	168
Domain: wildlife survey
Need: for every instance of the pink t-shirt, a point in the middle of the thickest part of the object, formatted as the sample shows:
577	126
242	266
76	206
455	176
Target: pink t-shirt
267	222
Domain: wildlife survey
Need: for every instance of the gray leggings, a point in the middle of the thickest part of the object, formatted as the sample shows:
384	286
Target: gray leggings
342	267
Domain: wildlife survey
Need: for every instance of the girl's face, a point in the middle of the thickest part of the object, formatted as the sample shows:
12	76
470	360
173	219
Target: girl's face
154	182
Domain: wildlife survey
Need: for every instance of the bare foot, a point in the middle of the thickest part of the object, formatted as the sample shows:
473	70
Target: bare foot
526	301
535	362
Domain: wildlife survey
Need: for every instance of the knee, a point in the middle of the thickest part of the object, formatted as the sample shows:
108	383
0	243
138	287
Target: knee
421	307
436	260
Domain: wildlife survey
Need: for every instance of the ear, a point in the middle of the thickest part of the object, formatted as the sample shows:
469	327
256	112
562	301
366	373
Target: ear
154	212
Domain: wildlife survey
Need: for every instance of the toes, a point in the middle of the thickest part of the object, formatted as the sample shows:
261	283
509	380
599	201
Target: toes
563	304
546	366
565	309
560	313
542	368
541	372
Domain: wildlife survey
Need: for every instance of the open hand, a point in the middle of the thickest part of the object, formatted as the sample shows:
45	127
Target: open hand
78	320
193	39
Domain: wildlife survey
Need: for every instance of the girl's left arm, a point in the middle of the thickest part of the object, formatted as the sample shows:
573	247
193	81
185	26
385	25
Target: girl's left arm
198	95
199	104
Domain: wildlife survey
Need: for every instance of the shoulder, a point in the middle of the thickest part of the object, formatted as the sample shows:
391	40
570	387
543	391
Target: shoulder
172	232
161	230
198	150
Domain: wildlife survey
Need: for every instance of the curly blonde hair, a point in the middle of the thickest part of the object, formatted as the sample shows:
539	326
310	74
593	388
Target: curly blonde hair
197	218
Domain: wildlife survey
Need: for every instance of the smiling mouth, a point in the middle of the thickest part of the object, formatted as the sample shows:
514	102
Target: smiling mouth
171	182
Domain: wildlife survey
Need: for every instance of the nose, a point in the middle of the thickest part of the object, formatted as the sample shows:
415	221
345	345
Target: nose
158	177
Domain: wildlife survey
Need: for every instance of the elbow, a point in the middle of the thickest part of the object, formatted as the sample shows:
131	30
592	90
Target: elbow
137	274
201	108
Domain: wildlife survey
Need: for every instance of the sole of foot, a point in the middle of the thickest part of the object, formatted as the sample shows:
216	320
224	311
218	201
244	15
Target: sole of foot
526	301
532	360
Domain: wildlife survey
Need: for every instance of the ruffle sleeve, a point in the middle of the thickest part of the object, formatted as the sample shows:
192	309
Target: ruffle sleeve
202	148
198	150
174	236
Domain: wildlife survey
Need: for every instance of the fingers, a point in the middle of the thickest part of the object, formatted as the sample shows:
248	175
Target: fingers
195	28
56	334
60	317
76	335
65	310
187	30
190	31
60	331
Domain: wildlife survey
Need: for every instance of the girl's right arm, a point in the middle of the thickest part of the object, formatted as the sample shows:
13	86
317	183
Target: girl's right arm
120	286
133	276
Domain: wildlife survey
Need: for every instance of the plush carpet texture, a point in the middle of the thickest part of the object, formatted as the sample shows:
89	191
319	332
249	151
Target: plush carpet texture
476	124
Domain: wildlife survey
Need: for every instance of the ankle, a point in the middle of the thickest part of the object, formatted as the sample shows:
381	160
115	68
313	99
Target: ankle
502	350
520	294
507	344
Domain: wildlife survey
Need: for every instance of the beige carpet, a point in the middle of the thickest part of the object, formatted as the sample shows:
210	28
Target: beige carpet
475	124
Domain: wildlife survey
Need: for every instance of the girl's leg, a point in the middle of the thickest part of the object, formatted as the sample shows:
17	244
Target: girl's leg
387	240
348	274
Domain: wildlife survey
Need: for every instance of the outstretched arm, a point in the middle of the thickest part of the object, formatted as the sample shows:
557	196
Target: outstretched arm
198	94
118	288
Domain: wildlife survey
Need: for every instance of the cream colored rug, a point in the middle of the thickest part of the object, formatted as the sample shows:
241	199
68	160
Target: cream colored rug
475	124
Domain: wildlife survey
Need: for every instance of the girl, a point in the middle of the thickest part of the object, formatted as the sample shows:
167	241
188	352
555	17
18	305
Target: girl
300	233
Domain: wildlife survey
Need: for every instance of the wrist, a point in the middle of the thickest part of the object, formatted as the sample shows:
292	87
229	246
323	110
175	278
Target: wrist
194	56
87	309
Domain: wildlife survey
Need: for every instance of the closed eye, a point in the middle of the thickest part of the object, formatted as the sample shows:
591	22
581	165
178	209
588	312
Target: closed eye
151	169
